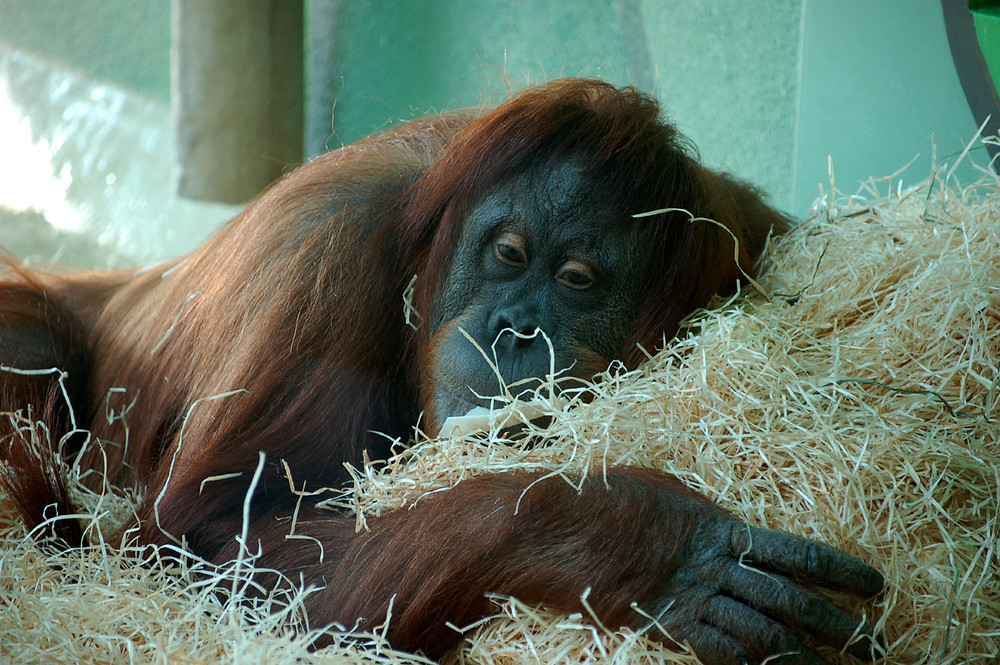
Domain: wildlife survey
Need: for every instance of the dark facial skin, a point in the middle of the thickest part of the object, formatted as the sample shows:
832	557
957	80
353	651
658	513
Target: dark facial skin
537	253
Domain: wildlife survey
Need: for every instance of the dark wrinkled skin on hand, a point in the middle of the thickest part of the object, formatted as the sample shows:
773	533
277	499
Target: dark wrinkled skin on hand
741	594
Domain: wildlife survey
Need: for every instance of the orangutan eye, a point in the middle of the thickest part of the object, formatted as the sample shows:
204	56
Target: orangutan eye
510	249
576	275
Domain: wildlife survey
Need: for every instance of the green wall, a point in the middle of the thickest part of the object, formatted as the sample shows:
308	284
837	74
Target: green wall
123	41
727	74
767	89
387	60
726	71
878	86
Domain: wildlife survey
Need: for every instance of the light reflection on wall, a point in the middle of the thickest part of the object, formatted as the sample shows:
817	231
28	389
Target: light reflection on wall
28	179
86	171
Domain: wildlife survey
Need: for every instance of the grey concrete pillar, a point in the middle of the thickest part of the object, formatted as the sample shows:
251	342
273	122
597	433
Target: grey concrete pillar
237	95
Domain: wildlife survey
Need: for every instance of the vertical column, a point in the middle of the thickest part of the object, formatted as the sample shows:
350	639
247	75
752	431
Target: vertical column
237	89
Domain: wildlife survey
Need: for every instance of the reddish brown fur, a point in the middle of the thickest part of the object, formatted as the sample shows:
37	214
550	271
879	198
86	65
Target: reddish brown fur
296	305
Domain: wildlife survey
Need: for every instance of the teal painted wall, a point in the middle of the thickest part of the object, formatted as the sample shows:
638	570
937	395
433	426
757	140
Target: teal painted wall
389	60
877	84
123	41
766	89
727	73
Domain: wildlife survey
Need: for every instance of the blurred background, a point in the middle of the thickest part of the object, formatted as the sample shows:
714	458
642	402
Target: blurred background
130	129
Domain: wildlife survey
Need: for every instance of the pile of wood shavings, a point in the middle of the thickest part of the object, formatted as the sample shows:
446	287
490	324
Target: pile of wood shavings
858	405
